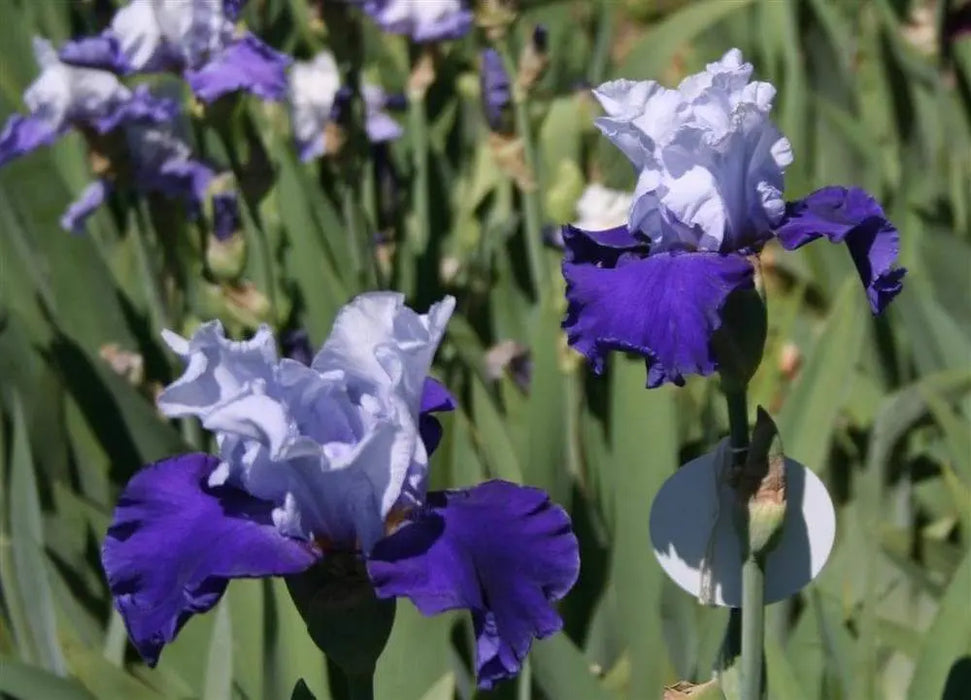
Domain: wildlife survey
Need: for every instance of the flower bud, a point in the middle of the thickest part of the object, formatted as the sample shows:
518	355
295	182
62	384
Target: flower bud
534	58
344	617
761	486
740	341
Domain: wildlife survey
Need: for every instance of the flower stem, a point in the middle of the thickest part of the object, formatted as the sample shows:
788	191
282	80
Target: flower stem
753	572
753	626
360	686
418	122
154	297
532	204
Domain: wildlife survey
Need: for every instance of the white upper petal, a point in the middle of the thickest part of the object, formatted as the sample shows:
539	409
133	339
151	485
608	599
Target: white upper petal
61	91
710	162
335	446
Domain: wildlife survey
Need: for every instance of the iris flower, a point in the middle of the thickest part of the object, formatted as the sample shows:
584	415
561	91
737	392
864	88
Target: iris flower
314	89
64	97
196	38
132	126
709	193
325	460
422	20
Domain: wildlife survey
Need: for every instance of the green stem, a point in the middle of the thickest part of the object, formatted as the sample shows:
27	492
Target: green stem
418	122
738	432
753	573
532	204
360	686
753	626
154	297
356	236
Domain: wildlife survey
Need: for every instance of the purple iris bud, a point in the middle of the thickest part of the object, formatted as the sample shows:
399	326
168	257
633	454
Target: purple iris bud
422	20
326	460
496	91
316	98
225	215
657	285
63	97
193	37
540	38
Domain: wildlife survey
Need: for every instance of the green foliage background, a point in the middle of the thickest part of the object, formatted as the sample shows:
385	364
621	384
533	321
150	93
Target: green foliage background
879	408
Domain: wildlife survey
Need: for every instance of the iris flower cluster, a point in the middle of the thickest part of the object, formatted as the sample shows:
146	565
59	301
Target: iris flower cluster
329	460
709	195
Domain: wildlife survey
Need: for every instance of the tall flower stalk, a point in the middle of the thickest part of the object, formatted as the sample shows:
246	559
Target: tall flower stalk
676	284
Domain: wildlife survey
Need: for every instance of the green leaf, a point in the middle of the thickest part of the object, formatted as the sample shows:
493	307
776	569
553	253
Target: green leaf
23	681
808	417
32	585
417	655
644	452
219	669
947	641
656	49
563	672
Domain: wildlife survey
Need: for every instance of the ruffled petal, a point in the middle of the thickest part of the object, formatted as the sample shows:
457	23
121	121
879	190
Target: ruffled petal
93	196
381	343
217	371
246	64
175	542
664	307
501	550
851	216
21	135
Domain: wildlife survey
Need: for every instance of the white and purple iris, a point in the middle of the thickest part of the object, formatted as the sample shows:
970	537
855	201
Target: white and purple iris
328	458
64	97
196	38
709	192
314	94
422	20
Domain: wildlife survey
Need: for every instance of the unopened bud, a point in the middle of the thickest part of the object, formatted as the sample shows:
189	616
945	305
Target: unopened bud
226	257
534	58
760	485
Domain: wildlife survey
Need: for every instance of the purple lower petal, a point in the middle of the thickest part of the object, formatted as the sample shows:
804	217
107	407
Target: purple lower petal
22	135
175	542
435	398
102	52
600	247
246	64
91	198
851	216
395	19
664	307
503	551
142	108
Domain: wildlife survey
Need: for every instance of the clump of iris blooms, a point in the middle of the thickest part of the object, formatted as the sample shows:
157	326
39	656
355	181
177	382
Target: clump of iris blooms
130	133
422	20
328	463
709	193
314	93
197	38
